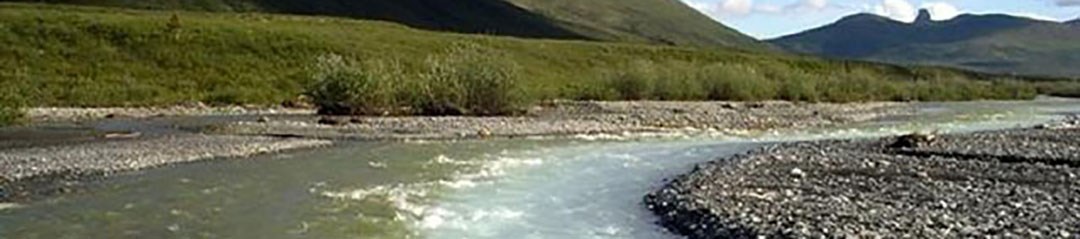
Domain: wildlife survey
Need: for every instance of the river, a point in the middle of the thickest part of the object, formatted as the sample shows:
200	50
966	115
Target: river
568	187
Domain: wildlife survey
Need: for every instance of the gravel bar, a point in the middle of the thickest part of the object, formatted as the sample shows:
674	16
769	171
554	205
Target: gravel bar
575	117
68	114
31	171
1006	184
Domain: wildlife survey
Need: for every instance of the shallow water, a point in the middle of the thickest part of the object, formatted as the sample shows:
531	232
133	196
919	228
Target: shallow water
581	187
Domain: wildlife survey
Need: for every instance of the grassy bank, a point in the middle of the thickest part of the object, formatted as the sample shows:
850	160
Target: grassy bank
79	56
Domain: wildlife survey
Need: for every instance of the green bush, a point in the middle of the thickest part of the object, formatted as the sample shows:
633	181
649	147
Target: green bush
1060	89
11	111
736	83
343	88
469	80
466	80
633	81
679	81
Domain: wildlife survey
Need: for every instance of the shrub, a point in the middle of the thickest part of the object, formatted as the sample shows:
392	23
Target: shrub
679	81
1060	89
10	108
342	88
736	83
633	81
469	80
1012	88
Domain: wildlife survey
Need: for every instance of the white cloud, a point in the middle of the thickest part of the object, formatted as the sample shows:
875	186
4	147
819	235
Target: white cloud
806	6
814	4
728	8
900	10
768	8
723	8
736	7
941	10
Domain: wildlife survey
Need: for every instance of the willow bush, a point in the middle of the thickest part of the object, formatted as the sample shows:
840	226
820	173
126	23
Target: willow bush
11	111
465	80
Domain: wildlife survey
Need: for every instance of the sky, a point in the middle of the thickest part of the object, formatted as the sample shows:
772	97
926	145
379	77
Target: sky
766	19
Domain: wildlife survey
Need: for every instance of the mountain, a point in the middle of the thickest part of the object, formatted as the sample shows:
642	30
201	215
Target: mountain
993	43
640	21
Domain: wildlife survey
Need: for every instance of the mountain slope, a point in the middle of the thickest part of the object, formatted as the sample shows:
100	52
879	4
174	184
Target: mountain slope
90	56
992	43
642	21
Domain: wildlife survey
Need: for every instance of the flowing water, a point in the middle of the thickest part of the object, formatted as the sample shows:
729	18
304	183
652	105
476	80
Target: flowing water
578	187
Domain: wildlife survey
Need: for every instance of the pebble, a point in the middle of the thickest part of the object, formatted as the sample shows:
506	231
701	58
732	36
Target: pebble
1013	184
23	171
573	118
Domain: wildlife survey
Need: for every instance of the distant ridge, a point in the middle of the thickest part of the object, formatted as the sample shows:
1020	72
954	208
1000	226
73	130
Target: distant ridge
668	22
994	43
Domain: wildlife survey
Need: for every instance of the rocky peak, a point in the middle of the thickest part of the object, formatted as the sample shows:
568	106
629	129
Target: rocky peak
924	17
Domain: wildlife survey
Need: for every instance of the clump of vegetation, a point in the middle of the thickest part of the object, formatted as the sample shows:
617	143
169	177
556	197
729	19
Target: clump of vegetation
740	82
734	82
467	80
11	111
343	88
636	81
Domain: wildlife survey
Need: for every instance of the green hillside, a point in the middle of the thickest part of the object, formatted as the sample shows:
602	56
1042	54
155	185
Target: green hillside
657	21
82	56
988	43
642	21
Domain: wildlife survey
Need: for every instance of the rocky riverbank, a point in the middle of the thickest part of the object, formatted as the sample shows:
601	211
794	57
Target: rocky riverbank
1013	184
574	118
70	114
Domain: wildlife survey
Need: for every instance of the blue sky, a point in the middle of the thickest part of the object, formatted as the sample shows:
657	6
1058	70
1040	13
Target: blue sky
765	19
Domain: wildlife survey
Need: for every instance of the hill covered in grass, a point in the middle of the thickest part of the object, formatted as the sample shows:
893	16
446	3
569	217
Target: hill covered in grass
641	21
990	43
87	56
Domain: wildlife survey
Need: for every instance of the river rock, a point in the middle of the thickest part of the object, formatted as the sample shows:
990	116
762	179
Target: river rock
913	140
1012	184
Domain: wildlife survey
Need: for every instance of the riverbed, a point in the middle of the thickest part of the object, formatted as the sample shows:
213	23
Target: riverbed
587	186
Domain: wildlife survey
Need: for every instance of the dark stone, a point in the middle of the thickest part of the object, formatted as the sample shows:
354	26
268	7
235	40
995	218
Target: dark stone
331	121
913	141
